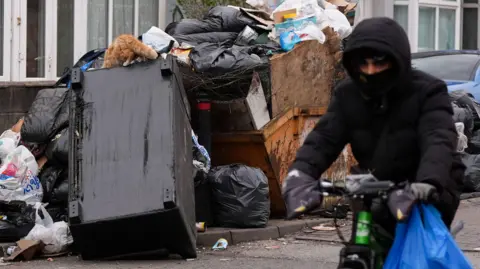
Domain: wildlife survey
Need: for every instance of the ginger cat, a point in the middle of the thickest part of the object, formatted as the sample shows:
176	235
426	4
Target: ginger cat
125	49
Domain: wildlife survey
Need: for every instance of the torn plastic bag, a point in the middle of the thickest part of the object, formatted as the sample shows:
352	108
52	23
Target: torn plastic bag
49	177
464	115
471	181
220	59
232	19
47	116
214	37
240	196
193	26
57	149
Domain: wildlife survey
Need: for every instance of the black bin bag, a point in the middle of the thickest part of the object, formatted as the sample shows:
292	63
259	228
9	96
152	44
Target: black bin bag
57	149
471	180
240	196
47	115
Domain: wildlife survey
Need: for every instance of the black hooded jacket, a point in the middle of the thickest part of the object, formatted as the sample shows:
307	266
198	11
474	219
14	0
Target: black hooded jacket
409	135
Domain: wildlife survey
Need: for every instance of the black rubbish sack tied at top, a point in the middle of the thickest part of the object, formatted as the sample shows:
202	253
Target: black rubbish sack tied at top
220	59
47	115
240	196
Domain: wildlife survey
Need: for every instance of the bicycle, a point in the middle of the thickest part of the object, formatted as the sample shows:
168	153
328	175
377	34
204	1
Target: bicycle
362	251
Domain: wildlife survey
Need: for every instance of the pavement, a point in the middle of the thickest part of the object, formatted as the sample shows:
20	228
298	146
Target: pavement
274	230
285	252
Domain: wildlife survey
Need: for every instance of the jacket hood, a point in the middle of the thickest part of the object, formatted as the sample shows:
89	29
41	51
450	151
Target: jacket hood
380	34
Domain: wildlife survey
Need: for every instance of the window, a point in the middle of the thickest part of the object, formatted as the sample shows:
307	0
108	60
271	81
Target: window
448	67
65	13
400	15
470	32
110	18
438	25
36	56
426	28
446	29
40	38
2	34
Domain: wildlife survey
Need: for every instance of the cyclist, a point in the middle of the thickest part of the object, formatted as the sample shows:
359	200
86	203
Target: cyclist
398	122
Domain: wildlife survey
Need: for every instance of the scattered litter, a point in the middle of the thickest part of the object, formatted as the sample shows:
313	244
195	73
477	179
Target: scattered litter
322	227
273	247
224	260
50	259
189	260
221	244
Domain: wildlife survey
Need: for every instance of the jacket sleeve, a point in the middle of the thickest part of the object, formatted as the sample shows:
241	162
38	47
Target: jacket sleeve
437	138
323	144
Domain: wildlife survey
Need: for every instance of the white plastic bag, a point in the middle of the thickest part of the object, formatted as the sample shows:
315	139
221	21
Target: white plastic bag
18	180
338	21
27	189
462	142
158	39
311	32
56	236
8	142
305	8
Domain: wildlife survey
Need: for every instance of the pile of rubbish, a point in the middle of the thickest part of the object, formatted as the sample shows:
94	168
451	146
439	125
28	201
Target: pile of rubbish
220	52
34	176
467	120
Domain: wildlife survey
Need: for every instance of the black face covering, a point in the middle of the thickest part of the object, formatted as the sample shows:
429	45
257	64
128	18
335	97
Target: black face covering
377	85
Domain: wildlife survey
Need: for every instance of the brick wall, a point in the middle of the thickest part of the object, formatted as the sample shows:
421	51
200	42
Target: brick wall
15	100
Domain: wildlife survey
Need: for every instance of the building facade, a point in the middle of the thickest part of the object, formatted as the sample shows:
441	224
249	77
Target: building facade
431	24
40	38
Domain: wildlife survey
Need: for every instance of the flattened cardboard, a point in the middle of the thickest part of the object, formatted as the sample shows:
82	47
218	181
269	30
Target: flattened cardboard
27	249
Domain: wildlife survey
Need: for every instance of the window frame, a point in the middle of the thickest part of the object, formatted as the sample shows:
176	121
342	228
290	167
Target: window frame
437	4
471	5
7	38
15	47
80	26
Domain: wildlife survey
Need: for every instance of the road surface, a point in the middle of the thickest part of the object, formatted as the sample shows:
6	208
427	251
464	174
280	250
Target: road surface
285	253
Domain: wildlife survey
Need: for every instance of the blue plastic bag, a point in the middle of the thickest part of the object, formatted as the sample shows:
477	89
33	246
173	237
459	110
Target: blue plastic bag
441	249
288	40
425	244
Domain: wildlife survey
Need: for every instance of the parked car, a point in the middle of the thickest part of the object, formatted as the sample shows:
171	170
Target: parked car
460	69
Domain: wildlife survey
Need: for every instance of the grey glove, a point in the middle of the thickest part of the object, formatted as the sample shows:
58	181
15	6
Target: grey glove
301	193
422	191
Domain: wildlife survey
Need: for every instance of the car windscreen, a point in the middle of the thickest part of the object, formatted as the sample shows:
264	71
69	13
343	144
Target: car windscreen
448	67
